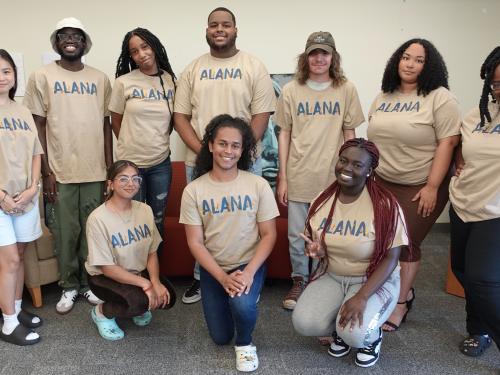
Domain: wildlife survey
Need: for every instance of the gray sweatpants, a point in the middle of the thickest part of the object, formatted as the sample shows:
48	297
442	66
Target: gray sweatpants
316	312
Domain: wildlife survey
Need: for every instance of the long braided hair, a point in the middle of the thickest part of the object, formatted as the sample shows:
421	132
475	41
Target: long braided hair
487	71
385	211
126	64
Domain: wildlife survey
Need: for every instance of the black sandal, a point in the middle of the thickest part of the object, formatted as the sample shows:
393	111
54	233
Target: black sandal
409	305
18	336
26	319
475	345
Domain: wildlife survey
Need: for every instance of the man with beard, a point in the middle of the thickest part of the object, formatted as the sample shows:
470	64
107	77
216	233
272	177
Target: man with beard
69	102
226	80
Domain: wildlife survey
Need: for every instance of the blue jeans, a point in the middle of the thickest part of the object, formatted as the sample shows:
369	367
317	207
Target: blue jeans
223	314
154	190
255	168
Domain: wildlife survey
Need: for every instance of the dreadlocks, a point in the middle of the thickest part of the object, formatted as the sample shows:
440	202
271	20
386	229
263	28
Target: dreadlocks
487	71
126	64
385	210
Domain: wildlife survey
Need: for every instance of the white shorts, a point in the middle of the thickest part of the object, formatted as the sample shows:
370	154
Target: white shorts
24	228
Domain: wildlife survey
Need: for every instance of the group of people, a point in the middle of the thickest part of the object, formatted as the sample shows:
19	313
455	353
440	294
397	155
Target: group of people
358	210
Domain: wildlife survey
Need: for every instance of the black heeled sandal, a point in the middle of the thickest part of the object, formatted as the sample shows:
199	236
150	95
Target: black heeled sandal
409	305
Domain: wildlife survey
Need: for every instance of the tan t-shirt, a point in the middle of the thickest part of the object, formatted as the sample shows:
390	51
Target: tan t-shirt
239	86
350	238
316	120
144	137
475	194
406	129
114	239
74	104
229	213
18	144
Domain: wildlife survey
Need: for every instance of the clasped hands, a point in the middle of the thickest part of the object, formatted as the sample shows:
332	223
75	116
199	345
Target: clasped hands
158	295
237	282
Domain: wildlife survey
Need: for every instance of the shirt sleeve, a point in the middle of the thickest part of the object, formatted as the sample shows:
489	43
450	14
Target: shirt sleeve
157	240
189	210
99	251
446	115
34	96
401	236
353	112
37	147
117	98
264	98
282	117
268	209
182	103
107	96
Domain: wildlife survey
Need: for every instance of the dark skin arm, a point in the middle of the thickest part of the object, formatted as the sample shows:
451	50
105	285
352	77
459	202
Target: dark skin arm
49	180
259	123
108	142
116	123
352	310
182	125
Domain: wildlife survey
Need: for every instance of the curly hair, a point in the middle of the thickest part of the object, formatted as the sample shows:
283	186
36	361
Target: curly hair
7	57
336	73
204	160
385	210
434	73
487	70
126	64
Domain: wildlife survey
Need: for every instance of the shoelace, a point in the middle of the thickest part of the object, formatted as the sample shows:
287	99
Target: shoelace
370	349
297	289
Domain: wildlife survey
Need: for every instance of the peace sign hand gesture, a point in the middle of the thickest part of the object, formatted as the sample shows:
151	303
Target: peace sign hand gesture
313	248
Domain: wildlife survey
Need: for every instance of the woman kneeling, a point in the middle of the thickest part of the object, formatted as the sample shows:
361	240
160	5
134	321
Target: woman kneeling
229	219
355	228
122	261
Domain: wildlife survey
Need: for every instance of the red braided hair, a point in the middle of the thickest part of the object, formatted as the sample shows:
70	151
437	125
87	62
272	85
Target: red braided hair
385	211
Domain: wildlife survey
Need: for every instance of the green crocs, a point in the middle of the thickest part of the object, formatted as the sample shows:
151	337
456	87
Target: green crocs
108	328
143	320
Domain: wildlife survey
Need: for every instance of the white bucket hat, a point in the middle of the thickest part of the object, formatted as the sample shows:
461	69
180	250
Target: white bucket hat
75	24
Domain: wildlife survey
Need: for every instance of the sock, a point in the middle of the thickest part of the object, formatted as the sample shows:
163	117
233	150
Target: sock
17	305
98	312
10	323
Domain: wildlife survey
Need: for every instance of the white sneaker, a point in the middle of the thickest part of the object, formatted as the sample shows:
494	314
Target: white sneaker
91	298
67	301
246	358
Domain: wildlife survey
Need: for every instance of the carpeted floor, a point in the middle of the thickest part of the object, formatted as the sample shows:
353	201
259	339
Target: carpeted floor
177	341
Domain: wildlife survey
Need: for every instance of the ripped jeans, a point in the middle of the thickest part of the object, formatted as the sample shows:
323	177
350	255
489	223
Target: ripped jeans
154	190
317	310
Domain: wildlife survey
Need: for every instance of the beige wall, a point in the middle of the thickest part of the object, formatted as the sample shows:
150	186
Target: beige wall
366	33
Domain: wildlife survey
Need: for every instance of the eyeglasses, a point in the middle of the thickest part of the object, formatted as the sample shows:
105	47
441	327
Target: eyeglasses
495	85
63	37
124	180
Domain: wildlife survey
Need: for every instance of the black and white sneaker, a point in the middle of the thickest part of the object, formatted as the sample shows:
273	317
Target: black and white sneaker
368	356
338	348
193	294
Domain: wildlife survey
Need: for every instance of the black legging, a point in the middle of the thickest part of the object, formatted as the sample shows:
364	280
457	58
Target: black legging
124	300
475	261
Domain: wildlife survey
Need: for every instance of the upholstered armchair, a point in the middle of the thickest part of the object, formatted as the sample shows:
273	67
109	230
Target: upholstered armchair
40	263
